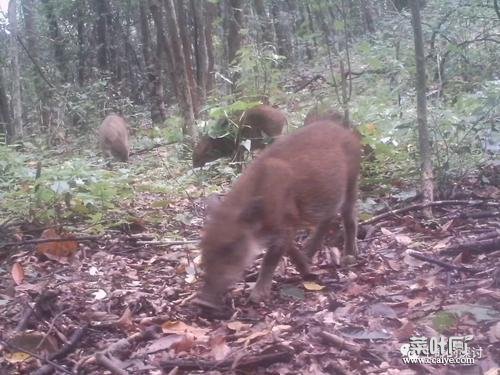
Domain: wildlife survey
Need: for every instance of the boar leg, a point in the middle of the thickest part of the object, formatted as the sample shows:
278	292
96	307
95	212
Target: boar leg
301	261
350	224
315	241
262	288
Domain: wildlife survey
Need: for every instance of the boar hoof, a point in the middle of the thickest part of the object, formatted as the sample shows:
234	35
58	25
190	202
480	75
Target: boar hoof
259	294
348	260
204	303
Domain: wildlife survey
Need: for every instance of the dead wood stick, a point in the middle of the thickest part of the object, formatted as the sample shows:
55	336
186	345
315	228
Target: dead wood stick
43	240
474	215
46	297
158	145
34	355
249	361
307	83
167	243
441	263
63	352
109	364
487	245
340	342
420	206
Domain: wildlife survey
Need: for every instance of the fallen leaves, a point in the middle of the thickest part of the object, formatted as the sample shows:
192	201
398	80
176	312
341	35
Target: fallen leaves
60	251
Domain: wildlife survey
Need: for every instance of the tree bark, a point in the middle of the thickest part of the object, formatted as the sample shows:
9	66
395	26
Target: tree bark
264	21
5	117
80	31
57	39
16	129
234	27
211	13
200	43
101	11
185	97
423	131
153	71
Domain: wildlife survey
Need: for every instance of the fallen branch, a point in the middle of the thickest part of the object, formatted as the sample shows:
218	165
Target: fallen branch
63	352
307	83
441	263
158	145
101	357
44	240
339	342
167	243
420	206
245	362
34	355
487	245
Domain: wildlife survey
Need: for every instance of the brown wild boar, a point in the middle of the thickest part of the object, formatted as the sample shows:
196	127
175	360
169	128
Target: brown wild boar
301	180
113	137
210	149
321	113
252	123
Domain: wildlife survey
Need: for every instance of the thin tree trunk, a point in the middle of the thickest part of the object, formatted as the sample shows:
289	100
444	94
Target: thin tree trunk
201	52
57	39
185	98
158	114
5	117
80	30
265	23
101	31
423	131
234	27
211	13
16	130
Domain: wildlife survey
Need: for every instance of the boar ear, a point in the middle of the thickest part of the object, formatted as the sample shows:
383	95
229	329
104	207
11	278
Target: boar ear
253	211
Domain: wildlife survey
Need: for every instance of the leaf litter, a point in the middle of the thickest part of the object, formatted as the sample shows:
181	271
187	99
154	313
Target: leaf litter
129	297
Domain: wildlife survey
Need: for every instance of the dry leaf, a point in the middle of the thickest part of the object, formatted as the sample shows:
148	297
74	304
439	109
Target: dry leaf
59	251
220	349
182	328
17	273
238	326
310	285
125	322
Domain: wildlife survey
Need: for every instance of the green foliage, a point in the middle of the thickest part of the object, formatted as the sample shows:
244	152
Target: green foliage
74	189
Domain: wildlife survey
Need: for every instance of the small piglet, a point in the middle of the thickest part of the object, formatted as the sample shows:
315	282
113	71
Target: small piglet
251	123
301	180
113	137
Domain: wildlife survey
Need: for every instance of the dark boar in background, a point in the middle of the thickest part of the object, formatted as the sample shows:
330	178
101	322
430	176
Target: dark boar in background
301	180
113	137
252	123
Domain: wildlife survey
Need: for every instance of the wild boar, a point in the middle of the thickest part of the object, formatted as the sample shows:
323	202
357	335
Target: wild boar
210	149
113	137
252	123
320	113
301	180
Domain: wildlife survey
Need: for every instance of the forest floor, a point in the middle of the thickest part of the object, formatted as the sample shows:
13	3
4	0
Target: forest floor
121	303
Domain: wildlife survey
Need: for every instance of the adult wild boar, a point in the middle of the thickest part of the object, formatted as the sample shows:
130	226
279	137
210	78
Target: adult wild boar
252	123
113	137
301	180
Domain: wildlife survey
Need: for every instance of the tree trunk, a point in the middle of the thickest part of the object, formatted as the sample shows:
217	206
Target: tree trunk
211	13
5	118
423	131
201	52
163	47
282	30
16	130
234	27
265	23
185	98
101	11
158	114
80	30
187	43
57	39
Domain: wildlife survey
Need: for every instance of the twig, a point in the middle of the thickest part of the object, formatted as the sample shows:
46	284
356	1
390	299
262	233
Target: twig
420	206
109	364
441	263
63	352
250	361
167	243
340	342
45	296
44	240
487	245
304	85
158	145
34	355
